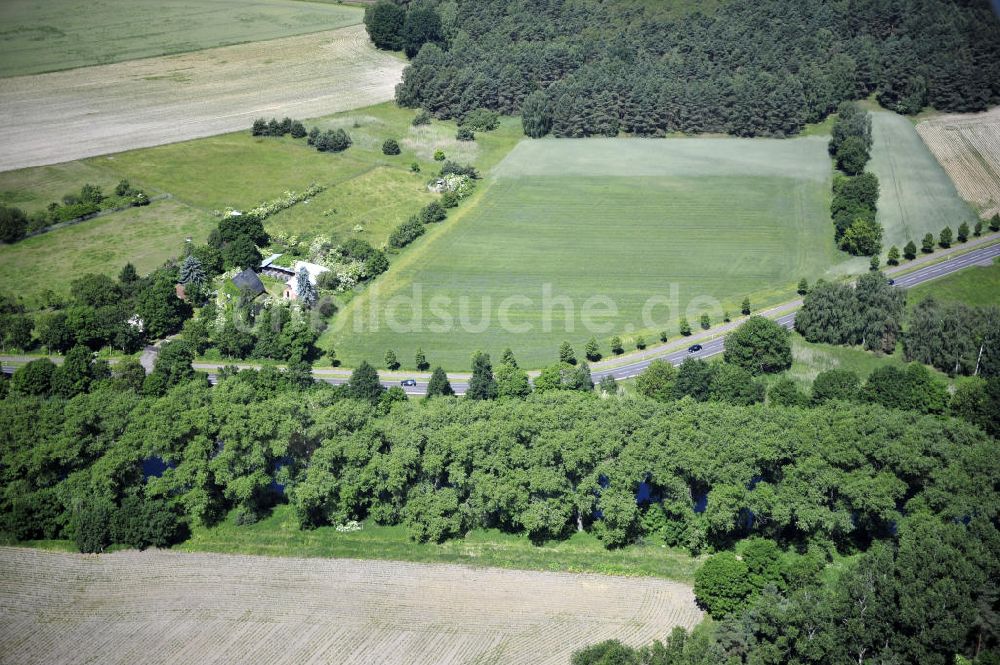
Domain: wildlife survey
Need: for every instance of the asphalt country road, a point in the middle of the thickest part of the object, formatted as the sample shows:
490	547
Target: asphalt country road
982	256
711	341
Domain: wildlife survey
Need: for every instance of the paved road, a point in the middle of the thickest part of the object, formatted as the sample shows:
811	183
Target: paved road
712	341
983	256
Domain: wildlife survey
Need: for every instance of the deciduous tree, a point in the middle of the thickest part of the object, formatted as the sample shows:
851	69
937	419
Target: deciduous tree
759	346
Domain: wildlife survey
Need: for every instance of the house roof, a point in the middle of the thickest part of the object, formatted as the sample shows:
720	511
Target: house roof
269	260
249	280
314	270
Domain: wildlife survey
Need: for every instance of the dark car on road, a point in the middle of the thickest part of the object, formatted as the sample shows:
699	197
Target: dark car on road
694	348
409	383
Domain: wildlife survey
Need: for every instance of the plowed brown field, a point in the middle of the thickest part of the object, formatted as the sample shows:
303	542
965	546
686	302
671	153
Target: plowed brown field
62	116
968	147
168	607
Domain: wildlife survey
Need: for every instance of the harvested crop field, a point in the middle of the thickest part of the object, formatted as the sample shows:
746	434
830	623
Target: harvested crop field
968	147
167	607
69	115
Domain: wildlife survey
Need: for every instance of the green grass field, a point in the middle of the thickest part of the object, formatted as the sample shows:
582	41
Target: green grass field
916	195
810	359
278	535
146	237
32	190
365	187
62	34
711	220
978	286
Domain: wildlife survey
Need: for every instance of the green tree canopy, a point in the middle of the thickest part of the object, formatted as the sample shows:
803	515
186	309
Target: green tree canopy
364	383
759	346
439	384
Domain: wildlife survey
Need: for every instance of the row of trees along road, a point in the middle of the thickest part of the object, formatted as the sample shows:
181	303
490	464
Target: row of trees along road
765	68
545	465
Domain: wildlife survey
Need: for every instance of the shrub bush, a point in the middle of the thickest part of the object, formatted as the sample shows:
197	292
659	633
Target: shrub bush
449	199
406	233
481	120
433	212
333	140
454	168
465	134
390	147
13	224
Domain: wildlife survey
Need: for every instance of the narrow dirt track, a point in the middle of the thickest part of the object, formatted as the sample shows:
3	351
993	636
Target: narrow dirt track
62	116
168	607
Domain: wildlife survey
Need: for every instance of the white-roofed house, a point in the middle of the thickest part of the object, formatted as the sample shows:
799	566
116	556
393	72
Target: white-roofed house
312	269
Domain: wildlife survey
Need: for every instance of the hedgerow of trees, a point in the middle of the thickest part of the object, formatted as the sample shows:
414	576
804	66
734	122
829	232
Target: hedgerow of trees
855	195
15	223
331	140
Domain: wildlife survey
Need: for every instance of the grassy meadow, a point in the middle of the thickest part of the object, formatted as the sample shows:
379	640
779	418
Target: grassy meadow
147	237
63	34
809	359
365	189
710	220
978	286
32	190
279	535
916	195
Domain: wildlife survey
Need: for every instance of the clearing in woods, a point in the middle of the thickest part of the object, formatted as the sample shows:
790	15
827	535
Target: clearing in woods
706	220
168	607
49	36
915	194
968	147
69	115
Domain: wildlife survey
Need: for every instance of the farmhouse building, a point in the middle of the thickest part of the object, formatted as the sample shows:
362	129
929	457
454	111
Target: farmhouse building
248	281
312	269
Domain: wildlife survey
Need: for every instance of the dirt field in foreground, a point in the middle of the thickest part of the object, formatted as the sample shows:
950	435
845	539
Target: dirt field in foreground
167	607
62	116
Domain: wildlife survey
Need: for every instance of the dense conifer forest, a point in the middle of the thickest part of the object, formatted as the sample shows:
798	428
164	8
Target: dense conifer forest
764	68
